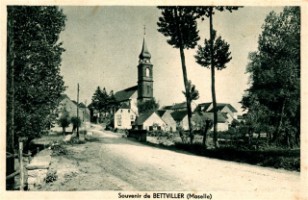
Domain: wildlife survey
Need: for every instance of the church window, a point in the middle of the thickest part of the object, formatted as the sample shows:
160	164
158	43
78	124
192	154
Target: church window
148	89
147	72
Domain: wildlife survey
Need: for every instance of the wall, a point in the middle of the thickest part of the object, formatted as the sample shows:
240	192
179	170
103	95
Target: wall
154	119
169	120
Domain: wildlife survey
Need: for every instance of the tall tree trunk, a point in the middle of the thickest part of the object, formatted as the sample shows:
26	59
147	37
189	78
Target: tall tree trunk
189	113
213	79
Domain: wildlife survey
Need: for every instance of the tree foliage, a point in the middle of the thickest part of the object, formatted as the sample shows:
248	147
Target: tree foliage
221	53
275	77
180	26
64	120
147	105
33	63
191	92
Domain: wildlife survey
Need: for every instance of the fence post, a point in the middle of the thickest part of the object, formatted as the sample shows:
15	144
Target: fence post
21	166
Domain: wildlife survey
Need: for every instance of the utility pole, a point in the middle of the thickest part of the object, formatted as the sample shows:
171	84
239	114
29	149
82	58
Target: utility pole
77	110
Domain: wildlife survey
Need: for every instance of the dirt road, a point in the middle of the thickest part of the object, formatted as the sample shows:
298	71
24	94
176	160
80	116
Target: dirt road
115	163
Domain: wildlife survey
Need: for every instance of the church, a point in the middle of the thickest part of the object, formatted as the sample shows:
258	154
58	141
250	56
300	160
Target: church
127	114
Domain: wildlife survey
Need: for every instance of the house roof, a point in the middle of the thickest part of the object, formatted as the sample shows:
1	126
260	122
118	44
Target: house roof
63	96
177	106
166	108
179	115
143	117
203	106
125	94
124	106
82	105
161	112
220	106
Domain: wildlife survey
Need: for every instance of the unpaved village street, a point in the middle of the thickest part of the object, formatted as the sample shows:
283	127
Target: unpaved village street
116	163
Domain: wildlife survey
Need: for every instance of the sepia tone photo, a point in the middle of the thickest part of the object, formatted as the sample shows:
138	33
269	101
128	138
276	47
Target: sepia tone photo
156	102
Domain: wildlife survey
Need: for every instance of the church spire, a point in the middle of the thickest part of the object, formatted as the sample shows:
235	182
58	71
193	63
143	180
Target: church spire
144	51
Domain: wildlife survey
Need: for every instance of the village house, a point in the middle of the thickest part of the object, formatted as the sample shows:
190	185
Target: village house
226	109
70	106
167	117
199	119
124	117
150	121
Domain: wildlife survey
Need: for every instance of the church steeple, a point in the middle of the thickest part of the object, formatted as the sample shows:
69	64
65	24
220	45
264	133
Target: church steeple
145	74
145	54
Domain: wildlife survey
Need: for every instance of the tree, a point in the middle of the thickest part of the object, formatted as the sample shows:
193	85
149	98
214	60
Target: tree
179	24
100	100
214	54
76	122
34	58
217	54
275	77
147	105
64	120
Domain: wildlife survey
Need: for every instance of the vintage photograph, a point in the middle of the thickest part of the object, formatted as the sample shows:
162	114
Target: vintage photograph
193	99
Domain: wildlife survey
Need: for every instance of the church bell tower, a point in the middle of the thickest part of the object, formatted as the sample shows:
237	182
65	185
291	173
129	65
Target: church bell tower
145	74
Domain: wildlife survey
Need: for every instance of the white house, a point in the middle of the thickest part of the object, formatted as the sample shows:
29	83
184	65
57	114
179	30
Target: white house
124	118
151	121
166	117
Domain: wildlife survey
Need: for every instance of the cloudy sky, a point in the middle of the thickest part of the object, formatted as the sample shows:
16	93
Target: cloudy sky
103	44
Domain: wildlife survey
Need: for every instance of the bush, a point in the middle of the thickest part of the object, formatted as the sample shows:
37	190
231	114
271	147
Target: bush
76	122
274	157
58	149
51	176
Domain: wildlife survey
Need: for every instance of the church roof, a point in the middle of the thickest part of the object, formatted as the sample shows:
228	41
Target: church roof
144	51
125	94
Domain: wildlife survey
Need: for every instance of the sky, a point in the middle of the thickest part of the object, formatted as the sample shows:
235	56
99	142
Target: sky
103	44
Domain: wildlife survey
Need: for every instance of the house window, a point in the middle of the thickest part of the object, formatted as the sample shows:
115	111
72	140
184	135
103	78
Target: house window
151	128
128	110
119	120
159	128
